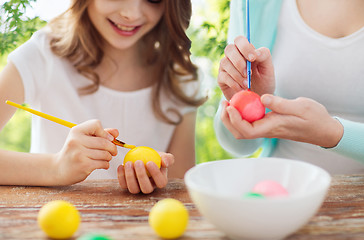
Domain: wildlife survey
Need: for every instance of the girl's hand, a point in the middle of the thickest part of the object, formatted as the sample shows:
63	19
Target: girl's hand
135	178
232	75
301	119
88	147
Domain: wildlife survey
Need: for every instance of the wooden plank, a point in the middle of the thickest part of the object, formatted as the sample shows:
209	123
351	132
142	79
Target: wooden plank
341	216
108	210
104	209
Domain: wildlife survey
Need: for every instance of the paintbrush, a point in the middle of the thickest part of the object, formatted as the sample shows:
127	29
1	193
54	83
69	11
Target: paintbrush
61	121
248	63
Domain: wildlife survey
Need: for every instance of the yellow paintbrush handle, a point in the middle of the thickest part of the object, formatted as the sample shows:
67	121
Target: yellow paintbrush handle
43	115
61	121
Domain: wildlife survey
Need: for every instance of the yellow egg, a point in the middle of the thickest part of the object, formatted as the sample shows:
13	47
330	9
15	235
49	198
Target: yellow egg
144	154
59	219
169	218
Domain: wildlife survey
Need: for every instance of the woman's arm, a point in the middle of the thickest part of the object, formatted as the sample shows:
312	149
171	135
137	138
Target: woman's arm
352	141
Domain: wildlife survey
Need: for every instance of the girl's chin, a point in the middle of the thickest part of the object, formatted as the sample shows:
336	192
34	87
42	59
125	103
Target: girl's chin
125	46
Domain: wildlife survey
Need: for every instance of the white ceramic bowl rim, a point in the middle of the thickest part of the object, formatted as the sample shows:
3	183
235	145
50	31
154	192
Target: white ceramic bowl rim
196	187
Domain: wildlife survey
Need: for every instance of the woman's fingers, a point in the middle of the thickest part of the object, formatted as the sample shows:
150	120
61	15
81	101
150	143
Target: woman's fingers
236	64
230	115
263	55
294	107
245	48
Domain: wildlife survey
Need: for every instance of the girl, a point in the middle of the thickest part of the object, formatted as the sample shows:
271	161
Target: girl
318	53
125	63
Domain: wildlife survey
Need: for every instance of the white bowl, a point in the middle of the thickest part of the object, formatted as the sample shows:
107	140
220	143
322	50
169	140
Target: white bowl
217	188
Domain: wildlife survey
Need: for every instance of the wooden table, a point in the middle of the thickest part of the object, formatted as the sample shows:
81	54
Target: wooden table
108	210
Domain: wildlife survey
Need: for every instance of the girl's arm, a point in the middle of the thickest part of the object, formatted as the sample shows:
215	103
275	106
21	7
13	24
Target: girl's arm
88	146
182	146
11	88
20	168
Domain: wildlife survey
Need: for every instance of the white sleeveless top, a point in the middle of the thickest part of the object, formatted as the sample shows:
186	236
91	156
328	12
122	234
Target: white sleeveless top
330	71
50	85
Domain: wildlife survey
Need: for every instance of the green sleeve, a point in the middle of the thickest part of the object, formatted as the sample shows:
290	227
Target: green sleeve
352	142
264	16
264	20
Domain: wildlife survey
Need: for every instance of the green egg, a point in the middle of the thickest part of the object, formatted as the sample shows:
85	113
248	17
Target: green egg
253	195
93	236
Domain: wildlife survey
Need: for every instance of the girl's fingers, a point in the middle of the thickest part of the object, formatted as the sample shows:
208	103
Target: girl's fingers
167	159
159	175
143	179
96	164
98	143
131	181
98	154
114	132
92	135
94	128
121	177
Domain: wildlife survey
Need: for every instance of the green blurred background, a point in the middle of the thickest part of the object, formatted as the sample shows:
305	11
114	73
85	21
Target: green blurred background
208	32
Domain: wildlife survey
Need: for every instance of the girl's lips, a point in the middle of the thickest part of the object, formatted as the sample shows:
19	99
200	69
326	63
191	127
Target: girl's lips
124	30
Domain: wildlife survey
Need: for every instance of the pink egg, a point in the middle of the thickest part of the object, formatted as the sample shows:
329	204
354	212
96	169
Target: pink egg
249	105
270	188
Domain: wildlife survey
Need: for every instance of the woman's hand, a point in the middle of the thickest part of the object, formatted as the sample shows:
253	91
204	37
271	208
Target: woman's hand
232	75
88	147
301	119
135	178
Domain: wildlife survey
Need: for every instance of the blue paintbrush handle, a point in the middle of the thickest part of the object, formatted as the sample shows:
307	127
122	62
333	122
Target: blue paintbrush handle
248	64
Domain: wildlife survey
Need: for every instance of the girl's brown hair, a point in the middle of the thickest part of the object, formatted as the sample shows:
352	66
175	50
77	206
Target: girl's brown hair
76	39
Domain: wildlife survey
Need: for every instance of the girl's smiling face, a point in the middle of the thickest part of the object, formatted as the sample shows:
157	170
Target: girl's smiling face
122	23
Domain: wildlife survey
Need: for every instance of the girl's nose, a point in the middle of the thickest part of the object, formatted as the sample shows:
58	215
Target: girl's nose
131	10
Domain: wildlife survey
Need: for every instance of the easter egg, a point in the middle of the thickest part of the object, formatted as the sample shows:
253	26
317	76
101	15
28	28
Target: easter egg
249	105
93	236
270	188
59	219
144	154
168	218
253	195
